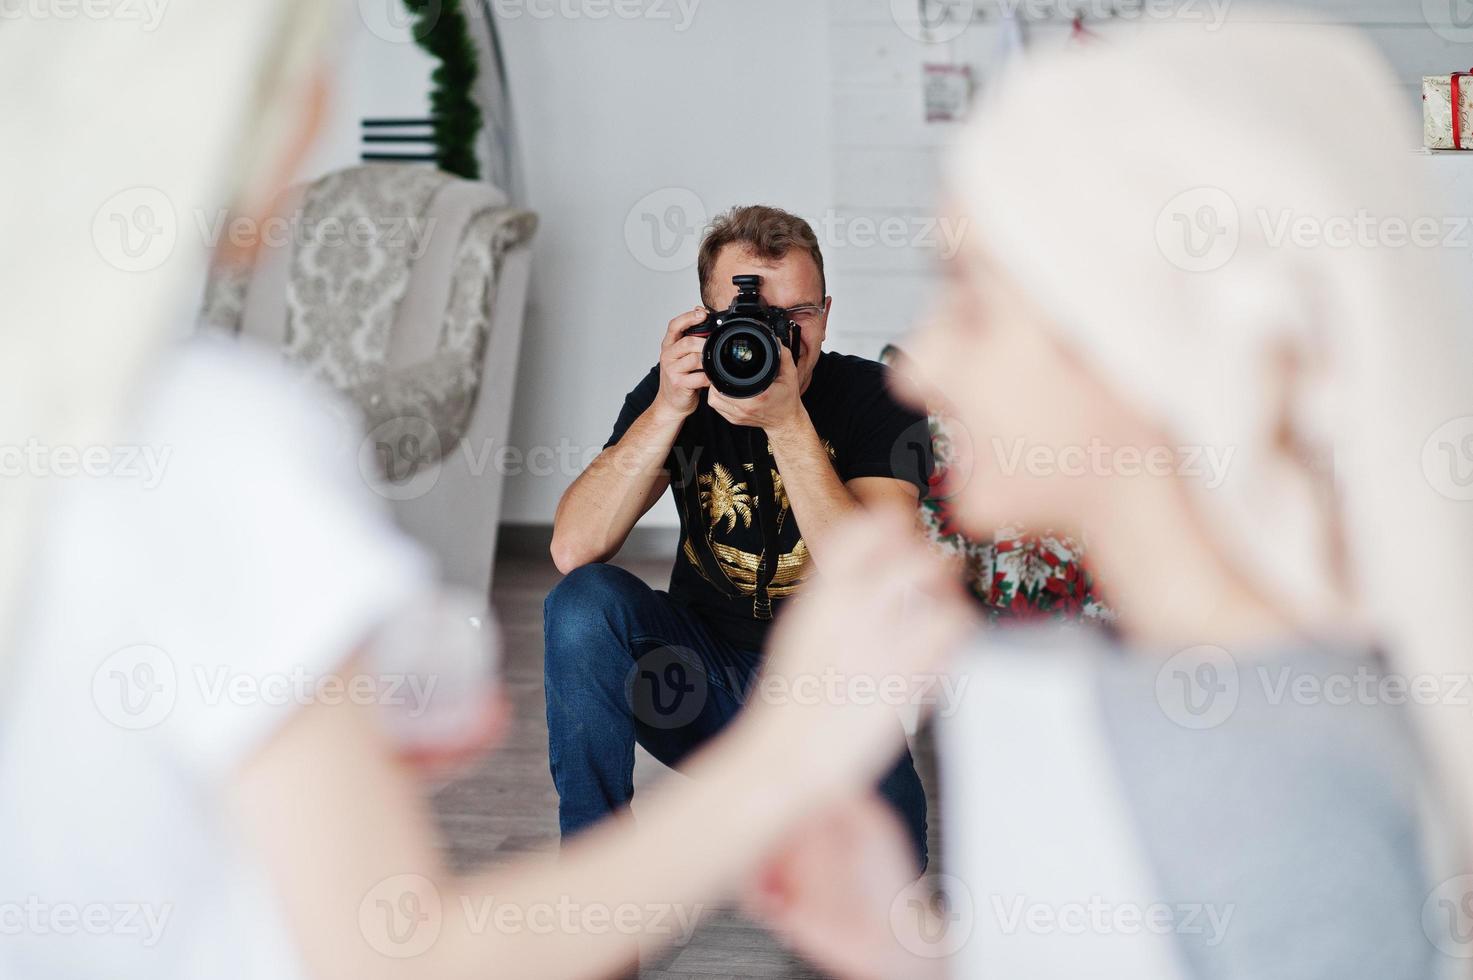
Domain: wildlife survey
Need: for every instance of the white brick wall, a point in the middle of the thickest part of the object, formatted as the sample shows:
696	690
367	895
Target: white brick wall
885	156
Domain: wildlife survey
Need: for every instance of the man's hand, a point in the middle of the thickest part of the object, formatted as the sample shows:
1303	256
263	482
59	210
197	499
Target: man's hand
775	410
681	377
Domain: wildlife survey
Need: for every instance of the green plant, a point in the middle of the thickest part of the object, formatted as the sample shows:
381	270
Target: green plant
440	28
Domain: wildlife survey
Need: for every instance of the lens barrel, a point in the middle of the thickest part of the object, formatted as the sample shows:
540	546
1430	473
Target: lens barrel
741	357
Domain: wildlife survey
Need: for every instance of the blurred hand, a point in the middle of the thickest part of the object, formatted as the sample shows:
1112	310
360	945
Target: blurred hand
829	893
776	408
681	376
876	623
437	763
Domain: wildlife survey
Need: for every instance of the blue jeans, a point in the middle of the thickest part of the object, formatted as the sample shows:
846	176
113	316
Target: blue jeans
625	664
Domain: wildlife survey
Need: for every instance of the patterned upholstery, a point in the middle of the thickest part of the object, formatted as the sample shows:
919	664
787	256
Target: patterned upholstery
357	237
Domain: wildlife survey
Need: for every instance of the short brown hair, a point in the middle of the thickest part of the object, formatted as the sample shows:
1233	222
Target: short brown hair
767	232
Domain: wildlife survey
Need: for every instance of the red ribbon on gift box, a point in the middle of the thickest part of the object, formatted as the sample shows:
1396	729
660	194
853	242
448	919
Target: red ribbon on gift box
1457	100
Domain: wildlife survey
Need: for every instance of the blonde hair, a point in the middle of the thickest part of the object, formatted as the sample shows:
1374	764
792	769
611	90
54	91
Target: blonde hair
161	123
1082	172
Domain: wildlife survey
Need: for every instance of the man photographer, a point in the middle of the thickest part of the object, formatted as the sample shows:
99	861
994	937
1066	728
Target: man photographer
626	663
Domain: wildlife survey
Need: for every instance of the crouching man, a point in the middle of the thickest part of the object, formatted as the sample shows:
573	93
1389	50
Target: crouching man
758	479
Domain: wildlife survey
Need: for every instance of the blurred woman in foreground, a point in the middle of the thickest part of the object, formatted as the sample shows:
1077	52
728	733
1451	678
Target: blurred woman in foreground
1163	255
173	806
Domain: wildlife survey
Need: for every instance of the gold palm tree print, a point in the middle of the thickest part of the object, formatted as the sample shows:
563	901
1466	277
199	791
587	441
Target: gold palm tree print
724	499
777	486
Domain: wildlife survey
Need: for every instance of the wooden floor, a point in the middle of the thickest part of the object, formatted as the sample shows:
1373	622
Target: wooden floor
507	806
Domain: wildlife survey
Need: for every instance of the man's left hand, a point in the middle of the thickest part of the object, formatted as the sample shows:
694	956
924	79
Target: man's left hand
777	408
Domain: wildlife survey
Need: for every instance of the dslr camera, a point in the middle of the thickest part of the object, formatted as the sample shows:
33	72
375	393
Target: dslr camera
744	342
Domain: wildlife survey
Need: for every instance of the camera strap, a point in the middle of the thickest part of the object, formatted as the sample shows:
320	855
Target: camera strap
767	516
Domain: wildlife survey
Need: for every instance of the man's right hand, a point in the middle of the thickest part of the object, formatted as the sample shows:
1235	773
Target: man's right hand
681	376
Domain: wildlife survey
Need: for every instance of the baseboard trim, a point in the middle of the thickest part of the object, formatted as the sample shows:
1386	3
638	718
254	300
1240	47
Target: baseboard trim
534	540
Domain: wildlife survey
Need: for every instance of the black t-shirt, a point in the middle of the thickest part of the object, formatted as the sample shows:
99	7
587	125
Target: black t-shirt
719	571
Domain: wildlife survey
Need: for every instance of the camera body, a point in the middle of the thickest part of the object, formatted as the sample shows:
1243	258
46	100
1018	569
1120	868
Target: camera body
745	341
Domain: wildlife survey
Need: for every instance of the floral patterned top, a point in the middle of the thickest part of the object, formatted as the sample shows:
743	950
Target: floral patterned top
1017	575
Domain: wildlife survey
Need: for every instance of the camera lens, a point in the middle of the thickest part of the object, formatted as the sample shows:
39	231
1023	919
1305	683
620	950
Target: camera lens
737	357
741	358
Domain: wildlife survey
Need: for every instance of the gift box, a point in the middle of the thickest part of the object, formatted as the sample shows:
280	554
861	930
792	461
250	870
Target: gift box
1447	117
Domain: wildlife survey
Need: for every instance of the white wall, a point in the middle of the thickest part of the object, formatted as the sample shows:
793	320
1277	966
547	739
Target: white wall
375	70
886	156
695	105
732	109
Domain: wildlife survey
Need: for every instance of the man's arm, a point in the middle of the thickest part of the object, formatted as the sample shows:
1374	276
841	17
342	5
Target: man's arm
602	506
819	499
